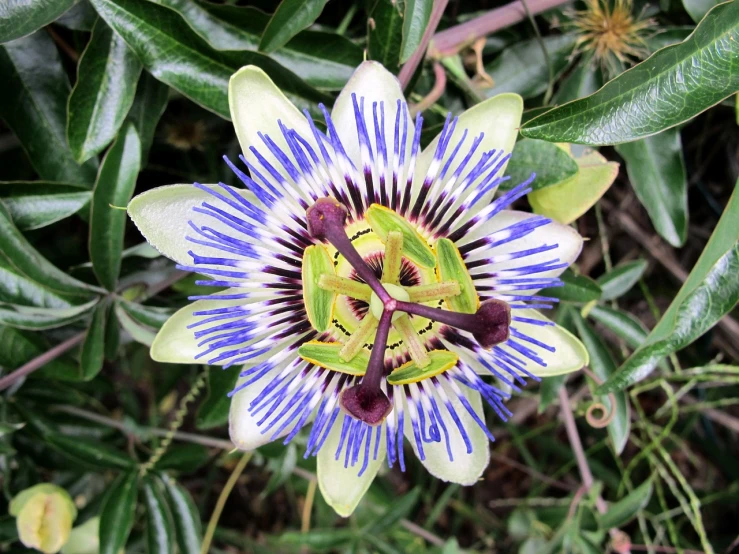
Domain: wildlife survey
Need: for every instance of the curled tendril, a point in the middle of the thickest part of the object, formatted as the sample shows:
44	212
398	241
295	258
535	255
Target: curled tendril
607	415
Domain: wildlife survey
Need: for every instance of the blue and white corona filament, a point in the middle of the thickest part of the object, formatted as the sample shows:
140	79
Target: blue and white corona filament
375	291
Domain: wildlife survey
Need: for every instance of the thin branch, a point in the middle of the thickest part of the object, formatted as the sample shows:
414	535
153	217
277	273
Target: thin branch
40	361
409	68
452	40
434	94
582	463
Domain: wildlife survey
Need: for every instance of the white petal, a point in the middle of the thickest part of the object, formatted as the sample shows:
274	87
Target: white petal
498	118
569	355
176	344
242	425
569	243
375	84
466	469
256	106
162	216
342	487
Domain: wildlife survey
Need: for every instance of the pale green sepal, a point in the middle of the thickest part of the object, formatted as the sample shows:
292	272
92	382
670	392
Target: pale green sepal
327	354
318	302
498	118
342	487
465	469
162	216
441	360
383	221
175	343
569	355
451	268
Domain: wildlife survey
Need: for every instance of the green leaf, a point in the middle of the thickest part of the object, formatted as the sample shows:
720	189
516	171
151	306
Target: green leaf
16	288
621	278
37	319
183	457
112	339
577	288
622	512
415	20
325	60
290	17
522	68
117	513
603	365
89	453
657	173
213	411
710	292
675	84
19	18
26	260
139	332
319	303
384	34
175	55
668	36
160	534
551	164
113	190
18	348
148	316
93	348
33	103
320	539
36	204
584	80
103	93
187	523
80	17
147	109
399	509
568	200
697	9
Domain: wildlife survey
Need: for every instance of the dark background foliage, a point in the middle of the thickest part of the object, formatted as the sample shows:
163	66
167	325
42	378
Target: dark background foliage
103	99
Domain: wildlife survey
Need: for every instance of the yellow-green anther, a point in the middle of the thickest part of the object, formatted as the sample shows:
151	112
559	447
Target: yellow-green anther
383	221
412	341
410	372
345	286
451	267
359	337
318	301
433	291
393	257
326	354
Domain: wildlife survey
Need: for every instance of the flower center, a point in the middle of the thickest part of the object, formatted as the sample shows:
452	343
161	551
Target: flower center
391	305
396	292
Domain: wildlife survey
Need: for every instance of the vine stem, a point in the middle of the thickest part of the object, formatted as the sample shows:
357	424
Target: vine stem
452	40
42	360
409	68
572	435
221	503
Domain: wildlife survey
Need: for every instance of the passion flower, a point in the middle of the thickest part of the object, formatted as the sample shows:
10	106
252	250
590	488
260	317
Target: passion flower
372	287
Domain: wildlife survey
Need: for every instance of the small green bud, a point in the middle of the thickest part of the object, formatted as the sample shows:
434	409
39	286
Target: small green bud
44	516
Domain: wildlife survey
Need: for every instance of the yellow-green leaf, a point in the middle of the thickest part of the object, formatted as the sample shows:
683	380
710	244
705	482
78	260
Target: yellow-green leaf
567	201
318	302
